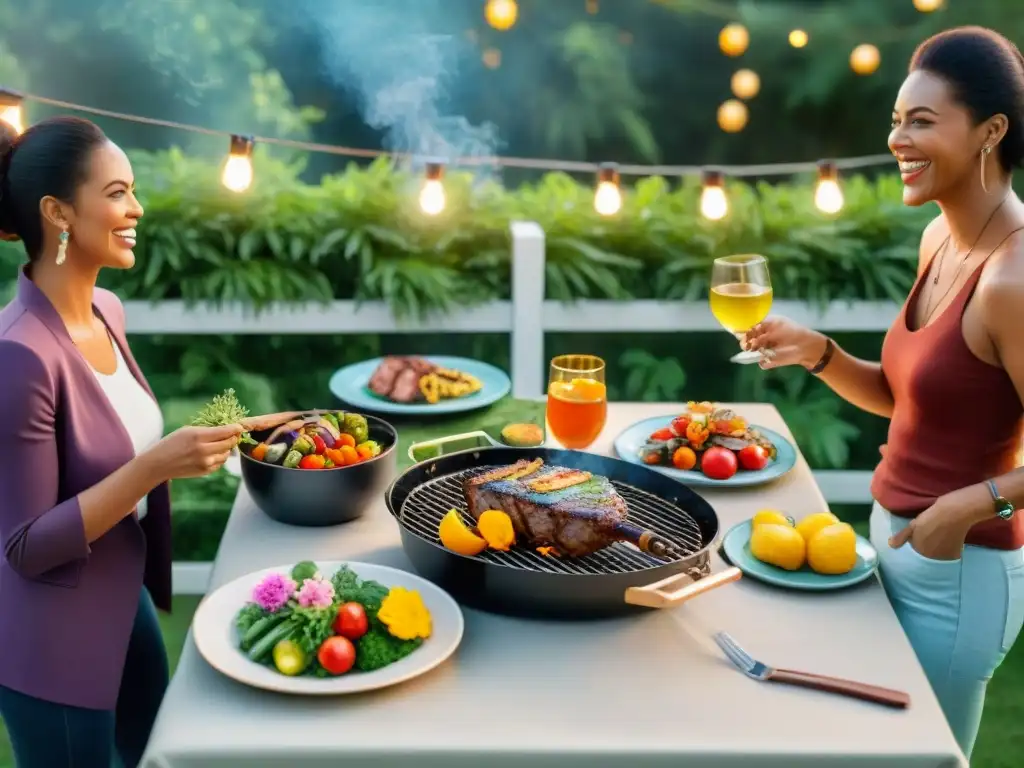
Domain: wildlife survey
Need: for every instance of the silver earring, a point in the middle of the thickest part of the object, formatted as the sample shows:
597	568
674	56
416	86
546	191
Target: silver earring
62	247
984	155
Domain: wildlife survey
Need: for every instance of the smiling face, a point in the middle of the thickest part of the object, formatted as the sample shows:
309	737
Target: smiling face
103	218
935	140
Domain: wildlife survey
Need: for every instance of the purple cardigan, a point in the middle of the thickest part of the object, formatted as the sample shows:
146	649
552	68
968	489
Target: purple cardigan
67	607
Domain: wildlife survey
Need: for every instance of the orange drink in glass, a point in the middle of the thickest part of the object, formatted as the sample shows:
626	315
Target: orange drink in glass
577	400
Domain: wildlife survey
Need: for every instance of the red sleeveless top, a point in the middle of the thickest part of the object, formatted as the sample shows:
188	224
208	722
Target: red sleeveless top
957	420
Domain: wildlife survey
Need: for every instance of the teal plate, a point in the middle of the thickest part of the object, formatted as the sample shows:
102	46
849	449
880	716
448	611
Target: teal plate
630	441
350	385
736	547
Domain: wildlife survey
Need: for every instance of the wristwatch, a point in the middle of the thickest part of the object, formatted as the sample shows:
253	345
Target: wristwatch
1003	506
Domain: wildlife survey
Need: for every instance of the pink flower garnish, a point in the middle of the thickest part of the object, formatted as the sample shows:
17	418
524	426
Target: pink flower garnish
274	592
316	593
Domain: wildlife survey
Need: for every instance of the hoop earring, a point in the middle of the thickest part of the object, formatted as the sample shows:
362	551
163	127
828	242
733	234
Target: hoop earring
984	156
62	247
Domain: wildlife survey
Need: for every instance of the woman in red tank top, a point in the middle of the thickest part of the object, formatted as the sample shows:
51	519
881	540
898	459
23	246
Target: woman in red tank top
951	376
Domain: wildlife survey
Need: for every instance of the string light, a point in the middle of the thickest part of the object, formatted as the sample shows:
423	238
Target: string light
492	58
432	197
501	14
237	175
798	38
714	205
745	83
865	59
732	116
927	6
608	196
733	39
11	110
828	196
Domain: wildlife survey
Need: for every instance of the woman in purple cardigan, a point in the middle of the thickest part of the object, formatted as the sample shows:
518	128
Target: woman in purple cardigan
84	503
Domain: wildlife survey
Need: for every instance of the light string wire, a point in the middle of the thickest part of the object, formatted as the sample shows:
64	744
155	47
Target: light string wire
567	166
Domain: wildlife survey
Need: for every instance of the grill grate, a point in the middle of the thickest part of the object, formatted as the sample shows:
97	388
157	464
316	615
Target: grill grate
427	504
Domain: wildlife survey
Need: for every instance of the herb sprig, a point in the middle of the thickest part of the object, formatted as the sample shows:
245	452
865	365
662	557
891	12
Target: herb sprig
224	409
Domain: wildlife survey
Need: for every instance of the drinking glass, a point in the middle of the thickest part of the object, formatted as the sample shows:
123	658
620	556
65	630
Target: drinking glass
577	400
741	296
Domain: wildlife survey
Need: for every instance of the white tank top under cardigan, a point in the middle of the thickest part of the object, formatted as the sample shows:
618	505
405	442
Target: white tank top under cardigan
141	416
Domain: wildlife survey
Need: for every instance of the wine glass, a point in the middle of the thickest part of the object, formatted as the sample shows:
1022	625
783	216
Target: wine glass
741	296
577	400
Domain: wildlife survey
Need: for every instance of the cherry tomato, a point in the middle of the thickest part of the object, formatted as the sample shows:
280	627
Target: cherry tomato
336	655
345	439
662	434
319	446
684	458
719	463
351	621
679	425
753	457
311	462
349	454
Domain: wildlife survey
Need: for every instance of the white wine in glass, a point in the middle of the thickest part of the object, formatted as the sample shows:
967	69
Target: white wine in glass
741	296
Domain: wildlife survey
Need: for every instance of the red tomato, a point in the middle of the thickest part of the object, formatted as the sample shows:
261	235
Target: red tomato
679	425
719	463
662	434
336	655
319	445
351	621
753	457
312	462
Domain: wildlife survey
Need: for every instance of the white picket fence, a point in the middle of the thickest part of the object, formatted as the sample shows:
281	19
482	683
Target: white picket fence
526	317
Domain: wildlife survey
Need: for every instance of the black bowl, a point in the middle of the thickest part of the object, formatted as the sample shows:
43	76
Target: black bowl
319	497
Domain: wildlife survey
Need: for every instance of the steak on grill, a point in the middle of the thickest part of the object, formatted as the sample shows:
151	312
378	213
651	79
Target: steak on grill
576	519
398	378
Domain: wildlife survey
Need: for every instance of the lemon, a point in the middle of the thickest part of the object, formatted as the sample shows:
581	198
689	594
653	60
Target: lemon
772	516
778	545
833	550
289	658
811	524
457	537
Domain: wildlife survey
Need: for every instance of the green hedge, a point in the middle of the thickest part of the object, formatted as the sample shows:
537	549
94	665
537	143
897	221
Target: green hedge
360	235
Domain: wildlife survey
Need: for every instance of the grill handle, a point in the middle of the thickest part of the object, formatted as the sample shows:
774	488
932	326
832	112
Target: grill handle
482	438
679	588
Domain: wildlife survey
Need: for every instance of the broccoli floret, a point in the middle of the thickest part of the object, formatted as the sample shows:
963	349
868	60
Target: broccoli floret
377	649
305	570
355	424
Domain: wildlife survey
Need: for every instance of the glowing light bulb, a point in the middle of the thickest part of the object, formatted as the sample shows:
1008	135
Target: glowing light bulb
927	6
733	39
798	38
865	59
501	14
10	110
714	205
432	197
608	196
732	116
828	196
237	175
745	83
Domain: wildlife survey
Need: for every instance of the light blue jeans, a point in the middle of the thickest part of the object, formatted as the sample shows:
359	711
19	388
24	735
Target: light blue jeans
961	617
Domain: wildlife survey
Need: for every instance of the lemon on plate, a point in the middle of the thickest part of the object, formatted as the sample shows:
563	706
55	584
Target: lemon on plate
778	545
813	523
832	550
770	517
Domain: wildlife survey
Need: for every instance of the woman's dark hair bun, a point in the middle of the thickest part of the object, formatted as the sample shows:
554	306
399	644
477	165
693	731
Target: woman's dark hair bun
8	138
986	74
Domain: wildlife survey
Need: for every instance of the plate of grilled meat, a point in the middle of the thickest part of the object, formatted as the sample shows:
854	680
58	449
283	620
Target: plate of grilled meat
420	385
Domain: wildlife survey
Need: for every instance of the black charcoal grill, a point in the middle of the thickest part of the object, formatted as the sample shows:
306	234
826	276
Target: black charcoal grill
616	580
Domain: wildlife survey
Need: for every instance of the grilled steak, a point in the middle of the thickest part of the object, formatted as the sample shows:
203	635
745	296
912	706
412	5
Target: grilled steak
574	511
398	378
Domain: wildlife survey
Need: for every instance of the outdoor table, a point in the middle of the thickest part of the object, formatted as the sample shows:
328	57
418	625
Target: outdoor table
634	692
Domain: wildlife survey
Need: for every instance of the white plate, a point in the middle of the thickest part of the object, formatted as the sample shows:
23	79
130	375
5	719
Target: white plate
214	633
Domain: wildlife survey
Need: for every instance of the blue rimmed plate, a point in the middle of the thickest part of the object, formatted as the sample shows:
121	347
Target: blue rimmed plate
350	385
632	439
736	548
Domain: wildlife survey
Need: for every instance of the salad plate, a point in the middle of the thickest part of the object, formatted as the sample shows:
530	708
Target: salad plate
253	629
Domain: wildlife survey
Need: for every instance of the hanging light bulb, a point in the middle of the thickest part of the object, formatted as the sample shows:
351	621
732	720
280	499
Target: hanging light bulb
237	175
927	6
11	110
732	116
713	202
501	14
608	196
865	59
798	38
432	197
733	39
745	83
828	196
